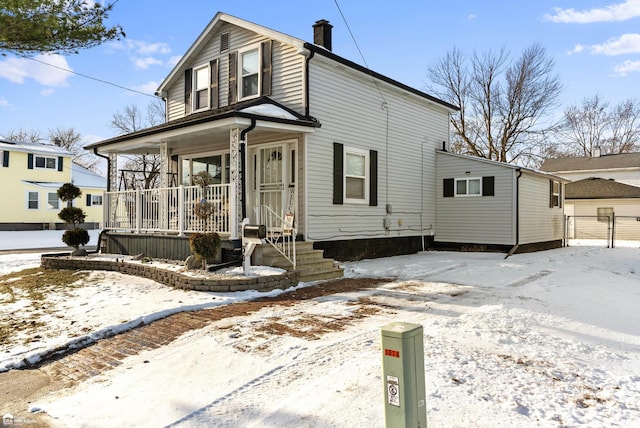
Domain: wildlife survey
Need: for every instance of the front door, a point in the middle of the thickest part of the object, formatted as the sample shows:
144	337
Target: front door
274	183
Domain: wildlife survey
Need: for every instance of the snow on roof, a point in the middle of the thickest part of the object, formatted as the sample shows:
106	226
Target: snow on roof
17	146
82	177
269	110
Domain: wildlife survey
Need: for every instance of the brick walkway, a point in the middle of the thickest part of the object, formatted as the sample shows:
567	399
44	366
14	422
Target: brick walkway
78	365
72	367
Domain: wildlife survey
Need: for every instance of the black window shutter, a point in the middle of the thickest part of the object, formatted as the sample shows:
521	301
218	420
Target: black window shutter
233	77
266	68
550	193
88	200
338	173
213	78
448	187
30	160
559	195
488	186
5	158
188	89
373	178
60	164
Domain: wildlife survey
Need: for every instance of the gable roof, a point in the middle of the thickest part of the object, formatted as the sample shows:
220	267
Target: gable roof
82	177
36	148
600	188
221	18
504	165
591	163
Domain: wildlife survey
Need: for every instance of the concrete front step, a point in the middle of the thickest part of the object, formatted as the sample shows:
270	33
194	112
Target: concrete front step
310	263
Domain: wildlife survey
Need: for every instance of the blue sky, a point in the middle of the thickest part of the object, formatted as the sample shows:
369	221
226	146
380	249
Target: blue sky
595	45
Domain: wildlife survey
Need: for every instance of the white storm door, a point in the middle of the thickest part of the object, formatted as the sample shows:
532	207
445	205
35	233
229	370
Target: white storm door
271	176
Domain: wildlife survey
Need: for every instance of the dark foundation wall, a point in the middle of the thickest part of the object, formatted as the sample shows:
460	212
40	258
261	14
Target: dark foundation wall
358	249
470	247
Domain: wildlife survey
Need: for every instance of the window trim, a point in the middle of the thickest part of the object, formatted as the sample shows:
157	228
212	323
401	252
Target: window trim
49	207
94	198
45	167
195	89
366	178
467	194
37	200
257	47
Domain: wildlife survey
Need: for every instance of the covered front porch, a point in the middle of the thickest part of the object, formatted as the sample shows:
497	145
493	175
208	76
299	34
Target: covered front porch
252	154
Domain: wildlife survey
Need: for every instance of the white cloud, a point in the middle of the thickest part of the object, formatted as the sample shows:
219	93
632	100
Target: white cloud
142	53
18	70
472	17
148	88
4	103
625	44
627	67
616	12
145	63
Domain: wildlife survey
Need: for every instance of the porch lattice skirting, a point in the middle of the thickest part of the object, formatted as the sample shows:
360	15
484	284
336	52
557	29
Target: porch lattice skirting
171	278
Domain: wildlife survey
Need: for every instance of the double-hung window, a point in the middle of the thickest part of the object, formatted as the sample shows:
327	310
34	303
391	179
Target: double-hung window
555	194
356	181
53	203
468	186
46	162
201	88
249	73
32	200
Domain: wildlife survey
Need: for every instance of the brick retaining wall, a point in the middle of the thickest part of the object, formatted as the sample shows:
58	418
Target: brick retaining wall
171	278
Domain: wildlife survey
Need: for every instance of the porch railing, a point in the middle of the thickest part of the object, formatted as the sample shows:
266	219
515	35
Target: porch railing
170	210
280	234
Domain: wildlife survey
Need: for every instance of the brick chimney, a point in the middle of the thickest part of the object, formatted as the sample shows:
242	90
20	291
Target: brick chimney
322	33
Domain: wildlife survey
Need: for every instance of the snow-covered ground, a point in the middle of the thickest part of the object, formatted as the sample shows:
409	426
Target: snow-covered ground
541	339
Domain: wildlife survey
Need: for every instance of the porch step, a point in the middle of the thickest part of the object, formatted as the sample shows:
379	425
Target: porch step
310	264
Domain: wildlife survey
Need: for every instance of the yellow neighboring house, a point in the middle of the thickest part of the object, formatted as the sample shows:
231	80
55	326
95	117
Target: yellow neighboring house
31	174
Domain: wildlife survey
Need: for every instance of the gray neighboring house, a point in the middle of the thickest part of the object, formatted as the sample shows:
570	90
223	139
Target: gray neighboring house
623	167
489	205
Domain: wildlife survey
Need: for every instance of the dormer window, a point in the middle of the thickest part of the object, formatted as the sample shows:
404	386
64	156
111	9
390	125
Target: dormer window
249	73
201	88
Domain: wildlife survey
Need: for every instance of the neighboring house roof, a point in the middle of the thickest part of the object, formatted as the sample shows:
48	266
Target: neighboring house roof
505	165
600	188
220	18
263	108
592	163
82	177
36	148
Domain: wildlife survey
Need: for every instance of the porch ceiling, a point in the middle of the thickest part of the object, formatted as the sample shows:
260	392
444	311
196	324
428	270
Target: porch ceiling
209	129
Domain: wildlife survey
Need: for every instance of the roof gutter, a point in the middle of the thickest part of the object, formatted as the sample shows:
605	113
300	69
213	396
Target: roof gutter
517	215
95	152
306	82
243	173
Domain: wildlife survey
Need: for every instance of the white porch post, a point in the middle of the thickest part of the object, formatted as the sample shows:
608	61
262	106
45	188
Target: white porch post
113	172
235	209
163	208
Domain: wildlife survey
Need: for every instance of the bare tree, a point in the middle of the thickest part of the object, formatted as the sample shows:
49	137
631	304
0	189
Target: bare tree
142	170
68	139
72	141
594	125
24	136
503	103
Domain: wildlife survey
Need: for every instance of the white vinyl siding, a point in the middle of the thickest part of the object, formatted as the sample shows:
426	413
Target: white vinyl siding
538	222
287	84
475	220
360	122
